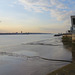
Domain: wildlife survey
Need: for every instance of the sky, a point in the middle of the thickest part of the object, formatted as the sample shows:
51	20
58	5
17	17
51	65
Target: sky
47	16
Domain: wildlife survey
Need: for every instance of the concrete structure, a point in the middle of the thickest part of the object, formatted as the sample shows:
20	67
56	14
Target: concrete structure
73	27
73	24
70	35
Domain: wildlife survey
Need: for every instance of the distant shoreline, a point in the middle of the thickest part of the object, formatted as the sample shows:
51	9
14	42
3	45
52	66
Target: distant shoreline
21	33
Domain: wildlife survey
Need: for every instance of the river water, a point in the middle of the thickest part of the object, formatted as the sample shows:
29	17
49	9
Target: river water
31	54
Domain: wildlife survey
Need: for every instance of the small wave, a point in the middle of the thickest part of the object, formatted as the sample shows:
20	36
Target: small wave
12	54
40	44
33	57
46	42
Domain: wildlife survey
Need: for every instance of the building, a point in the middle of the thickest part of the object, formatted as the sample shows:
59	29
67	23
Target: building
73	27
73	24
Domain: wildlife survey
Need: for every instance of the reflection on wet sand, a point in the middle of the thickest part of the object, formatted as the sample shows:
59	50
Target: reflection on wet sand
70	46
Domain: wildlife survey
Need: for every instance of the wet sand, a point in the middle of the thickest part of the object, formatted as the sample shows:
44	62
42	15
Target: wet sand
22	66
66	70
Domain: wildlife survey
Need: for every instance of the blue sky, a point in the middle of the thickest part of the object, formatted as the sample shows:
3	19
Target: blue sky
36	15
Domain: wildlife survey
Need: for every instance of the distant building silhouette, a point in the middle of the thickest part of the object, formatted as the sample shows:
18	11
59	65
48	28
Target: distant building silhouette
21	31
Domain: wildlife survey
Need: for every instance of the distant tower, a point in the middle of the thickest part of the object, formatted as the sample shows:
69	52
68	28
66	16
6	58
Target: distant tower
21	31
73	24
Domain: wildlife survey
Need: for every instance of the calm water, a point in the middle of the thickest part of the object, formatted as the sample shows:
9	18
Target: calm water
23	54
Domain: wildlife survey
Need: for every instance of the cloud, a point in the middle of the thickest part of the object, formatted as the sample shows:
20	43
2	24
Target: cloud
36	5
60	9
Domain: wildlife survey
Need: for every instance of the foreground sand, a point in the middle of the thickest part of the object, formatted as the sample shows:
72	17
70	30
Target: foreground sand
66	70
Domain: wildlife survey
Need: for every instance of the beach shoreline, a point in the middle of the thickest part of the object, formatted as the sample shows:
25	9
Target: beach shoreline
66	70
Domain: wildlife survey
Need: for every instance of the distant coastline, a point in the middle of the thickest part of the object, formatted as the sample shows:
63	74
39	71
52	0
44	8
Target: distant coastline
21	33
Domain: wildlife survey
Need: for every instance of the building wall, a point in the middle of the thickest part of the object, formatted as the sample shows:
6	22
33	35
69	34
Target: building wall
73	24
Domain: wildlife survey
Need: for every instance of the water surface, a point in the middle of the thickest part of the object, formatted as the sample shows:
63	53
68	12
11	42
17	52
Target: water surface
23	54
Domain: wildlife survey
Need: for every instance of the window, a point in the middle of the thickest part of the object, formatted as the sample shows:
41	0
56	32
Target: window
74	21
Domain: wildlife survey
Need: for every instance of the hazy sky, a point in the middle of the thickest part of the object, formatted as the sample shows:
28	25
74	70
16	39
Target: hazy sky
36	15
